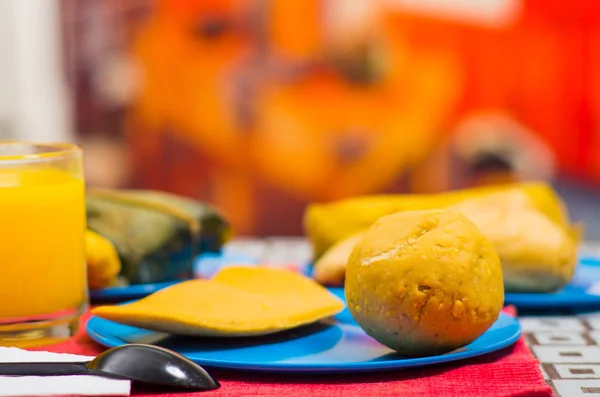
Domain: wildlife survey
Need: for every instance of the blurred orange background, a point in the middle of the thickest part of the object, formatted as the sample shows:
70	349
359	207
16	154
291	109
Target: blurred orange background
263	106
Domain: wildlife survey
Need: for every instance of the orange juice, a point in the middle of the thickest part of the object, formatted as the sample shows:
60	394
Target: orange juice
42	261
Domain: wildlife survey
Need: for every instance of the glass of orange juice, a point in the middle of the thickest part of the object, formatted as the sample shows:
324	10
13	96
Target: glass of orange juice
43	288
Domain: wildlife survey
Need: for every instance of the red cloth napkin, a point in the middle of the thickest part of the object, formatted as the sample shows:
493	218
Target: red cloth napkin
513	372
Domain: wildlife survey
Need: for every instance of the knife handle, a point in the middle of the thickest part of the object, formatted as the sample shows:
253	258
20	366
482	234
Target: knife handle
44	369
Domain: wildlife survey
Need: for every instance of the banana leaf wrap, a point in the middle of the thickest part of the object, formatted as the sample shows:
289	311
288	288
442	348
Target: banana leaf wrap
157	235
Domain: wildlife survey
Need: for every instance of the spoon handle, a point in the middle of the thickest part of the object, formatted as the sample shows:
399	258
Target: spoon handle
44	369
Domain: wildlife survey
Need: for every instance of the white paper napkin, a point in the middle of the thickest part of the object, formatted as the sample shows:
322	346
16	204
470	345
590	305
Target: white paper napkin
79	385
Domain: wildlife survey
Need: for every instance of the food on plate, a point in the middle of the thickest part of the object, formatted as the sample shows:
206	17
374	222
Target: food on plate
537	254
103	264
328	223
424	282
526	224
157	235
330	268
238	301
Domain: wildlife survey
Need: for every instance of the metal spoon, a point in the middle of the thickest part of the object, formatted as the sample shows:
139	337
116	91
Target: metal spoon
136	362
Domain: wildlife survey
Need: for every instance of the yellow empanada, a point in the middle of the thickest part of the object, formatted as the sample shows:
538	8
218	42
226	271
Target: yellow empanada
238	301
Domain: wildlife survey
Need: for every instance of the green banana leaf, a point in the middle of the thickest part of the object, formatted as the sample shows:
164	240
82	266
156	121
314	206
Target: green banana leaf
157	235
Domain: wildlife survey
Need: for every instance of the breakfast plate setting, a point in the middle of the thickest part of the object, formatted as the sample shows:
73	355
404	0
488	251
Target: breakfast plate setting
411	292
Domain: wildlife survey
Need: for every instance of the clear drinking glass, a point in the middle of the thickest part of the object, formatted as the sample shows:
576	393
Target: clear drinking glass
43	283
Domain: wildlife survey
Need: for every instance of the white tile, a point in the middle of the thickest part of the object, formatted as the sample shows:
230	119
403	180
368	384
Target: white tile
593	289
287	250
544	374
559	338
594	322
551	323
251	248
574	371
595	336
567	354
578	387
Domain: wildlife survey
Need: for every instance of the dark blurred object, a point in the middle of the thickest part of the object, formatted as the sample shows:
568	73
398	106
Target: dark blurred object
486	147
98	63
490	162
493	147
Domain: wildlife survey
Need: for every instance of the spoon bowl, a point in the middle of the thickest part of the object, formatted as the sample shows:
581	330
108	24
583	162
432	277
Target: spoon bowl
153	364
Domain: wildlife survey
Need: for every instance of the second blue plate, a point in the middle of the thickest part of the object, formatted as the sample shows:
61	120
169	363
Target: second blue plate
583	290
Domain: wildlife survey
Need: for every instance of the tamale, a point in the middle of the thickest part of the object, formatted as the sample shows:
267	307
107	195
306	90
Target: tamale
327	223
157	235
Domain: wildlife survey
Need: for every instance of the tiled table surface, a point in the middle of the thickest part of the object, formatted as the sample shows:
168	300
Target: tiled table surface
567	345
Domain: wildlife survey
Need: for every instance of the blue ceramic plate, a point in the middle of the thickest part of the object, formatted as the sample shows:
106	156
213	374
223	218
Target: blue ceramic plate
128	292
205	266
584	290
338	345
